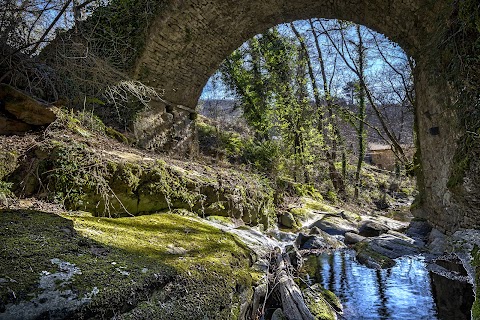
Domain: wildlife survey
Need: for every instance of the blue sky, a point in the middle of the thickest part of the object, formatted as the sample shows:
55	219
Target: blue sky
377	70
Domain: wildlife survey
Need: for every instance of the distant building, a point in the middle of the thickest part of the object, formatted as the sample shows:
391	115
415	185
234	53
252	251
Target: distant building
382	156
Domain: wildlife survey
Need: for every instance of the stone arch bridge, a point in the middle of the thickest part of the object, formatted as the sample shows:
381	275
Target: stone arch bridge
185	42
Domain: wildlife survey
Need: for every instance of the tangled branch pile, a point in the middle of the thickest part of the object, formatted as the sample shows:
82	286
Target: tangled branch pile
86	67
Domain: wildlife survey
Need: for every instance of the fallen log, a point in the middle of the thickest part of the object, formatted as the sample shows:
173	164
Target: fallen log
293	304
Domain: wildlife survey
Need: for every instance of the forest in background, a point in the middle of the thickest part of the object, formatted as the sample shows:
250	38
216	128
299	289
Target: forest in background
307	98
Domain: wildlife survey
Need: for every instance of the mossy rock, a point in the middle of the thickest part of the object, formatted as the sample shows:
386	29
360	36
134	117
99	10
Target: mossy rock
112	133
287	219
371	258
321	302
123	267
8	163
226	221
318	205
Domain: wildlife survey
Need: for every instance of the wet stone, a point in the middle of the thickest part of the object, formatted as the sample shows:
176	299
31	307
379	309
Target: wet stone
335	225
352	238
372	229
278	315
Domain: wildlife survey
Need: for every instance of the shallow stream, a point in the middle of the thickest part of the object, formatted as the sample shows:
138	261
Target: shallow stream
405	291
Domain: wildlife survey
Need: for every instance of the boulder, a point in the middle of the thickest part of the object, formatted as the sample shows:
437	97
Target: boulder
437	241
25	108
278	315
353	238
379	252
372	259
94	275
317	241
392	224
322	303
389	224
295	257
301	239
393	246
287	220
371	228
258	296
13	127
335	225
419	230
316	231
452	287
419	227
282	235
382	204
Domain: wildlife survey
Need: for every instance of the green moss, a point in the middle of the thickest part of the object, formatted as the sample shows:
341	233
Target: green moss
300	212
408	190
332	299
331	196
318	305
307	190
461	163
112	133
87	124
418	170
8	163
310	267
130	261
365	254
402	213
81	176
6	188
77	177
227	221
317	205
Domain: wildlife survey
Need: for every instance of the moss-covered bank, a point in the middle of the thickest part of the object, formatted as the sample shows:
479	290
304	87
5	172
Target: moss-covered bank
83	169
161	266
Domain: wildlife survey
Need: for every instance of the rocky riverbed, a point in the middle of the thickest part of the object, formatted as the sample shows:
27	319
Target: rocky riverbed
378	267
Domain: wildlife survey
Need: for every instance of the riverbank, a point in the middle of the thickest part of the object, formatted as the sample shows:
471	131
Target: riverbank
164	266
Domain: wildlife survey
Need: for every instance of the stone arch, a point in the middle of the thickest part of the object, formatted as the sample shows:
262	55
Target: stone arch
189	39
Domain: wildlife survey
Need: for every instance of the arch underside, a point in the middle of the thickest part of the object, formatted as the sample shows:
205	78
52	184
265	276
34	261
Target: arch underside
187	42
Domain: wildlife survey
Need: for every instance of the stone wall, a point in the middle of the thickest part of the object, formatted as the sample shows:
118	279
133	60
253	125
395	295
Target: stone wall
167	128
437	133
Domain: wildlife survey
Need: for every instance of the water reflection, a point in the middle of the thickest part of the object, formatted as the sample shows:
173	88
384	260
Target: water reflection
402	292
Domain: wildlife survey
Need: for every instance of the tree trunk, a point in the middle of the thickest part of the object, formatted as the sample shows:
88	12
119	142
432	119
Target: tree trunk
331	152
361	112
